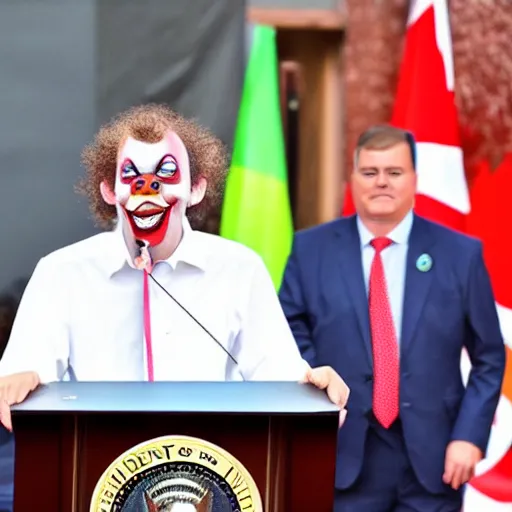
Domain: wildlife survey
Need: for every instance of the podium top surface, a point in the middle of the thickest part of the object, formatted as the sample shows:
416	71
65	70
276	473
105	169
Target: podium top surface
178	397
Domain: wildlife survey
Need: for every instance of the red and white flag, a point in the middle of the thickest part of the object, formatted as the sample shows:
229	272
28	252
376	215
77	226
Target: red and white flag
425	105
490	220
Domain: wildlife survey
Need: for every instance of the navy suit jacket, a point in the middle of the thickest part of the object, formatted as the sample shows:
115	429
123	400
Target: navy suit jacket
445	309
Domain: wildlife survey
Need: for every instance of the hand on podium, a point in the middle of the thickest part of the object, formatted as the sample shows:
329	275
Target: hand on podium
13	390
324	377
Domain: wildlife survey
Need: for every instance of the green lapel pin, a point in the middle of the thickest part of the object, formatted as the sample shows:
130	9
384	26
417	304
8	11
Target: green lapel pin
424	263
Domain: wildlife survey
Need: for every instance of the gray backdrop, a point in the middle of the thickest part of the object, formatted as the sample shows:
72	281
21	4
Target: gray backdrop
68	65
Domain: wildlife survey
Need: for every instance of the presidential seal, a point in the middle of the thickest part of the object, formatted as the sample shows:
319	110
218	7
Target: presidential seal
176	474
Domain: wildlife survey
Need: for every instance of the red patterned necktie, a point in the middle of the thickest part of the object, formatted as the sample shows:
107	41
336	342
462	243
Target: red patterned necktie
386	372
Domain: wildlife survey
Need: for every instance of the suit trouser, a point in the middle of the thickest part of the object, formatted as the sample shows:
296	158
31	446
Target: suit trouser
387	482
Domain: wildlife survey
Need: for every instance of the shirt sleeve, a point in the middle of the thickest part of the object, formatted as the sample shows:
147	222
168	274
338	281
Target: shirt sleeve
39	339
265	347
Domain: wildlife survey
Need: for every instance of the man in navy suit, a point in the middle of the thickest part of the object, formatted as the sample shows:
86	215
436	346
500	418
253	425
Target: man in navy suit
389	300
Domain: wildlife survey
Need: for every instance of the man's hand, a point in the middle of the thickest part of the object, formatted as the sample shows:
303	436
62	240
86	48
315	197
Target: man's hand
460	461
326	378
13	390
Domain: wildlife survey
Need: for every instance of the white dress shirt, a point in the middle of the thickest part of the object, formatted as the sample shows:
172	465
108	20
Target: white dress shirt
394	260
81	316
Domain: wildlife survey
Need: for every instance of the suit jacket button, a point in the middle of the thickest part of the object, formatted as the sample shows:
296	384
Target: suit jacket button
406	404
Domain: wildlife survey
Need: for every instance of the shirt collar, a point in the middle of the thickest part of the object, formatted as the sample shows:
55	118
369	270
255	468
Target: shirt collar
189	251
399	235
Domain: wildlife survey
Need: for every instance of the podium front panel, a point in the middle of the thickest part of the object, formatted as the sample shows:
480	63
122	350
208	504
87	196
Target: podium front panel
61	454
291	458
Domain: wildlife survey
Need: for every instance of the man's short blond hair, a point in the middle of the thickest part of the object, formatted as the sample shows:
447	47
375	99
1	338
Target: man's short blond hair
382	137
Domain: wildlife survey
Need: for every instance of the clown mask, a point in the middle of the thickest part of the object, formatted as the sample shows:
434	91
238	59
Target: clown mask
152	192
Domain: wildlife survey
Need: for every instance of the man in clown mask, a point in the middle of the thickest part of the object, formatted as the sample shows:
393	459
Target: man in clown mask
151	298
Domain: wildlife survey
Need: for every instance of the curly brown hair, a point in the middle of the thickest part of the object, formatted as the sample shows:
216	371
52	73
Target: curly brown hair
148	123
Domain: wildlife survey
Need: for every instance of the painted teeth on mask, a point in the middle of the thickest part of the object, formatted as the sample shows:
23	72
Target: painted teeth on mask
147	222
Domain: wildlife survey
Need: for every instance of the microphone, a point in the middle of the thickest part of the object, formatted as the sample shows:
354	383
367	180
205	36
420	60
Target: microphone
143	247
194	318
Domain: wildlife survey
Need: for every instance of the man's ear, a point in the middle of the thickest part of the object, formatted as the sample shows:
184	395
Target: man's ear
198	192
106	192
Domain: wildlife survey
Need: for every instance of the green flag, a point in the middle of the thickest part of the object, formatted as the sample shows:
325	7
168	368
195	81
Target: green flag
256	210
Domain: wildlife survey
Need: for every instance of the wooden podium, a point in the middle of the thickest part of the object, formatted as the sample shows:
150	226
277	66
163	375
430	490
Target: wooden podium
68	433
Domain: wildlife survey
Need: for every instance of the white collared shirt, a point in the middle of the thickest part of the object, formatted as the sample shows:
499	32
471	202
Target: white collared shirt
394	260
81	316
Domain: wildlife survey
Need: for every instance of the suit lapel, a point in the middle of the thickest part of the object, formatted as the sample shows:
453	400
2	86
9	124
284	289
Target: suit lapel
417	283
348	260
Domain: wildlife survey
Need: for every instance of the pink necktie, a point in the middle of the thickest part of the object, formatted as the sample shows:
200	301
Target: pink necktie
386	364
147	328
